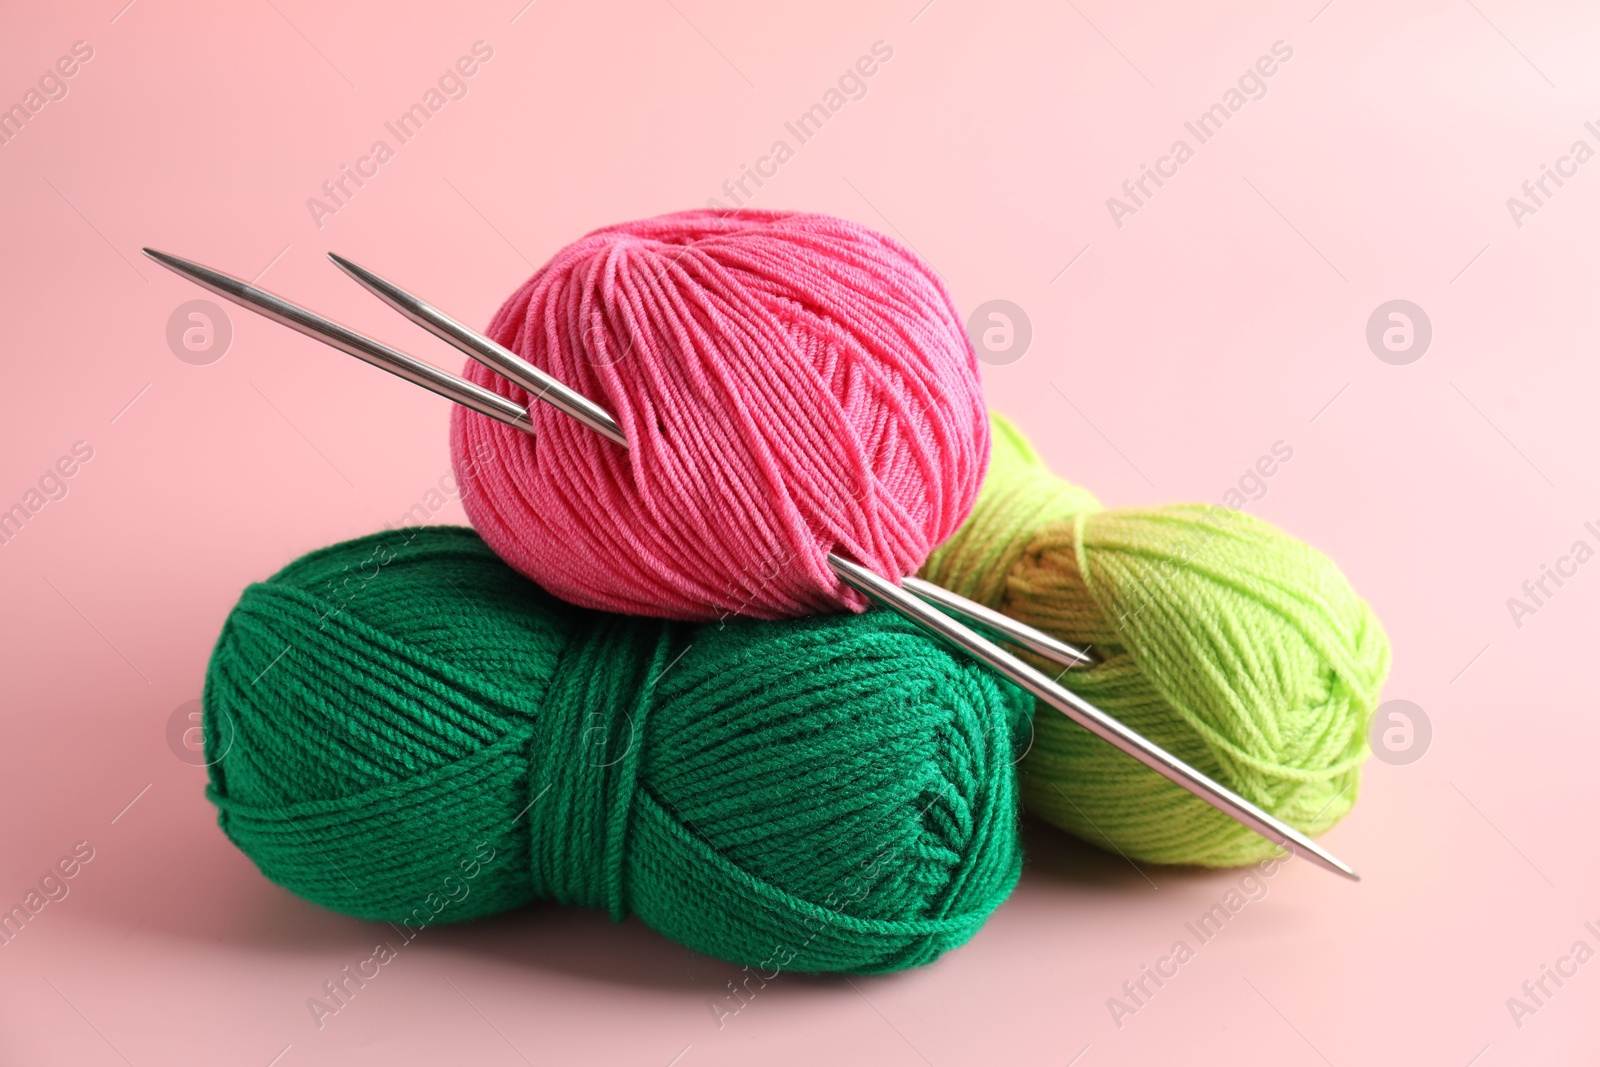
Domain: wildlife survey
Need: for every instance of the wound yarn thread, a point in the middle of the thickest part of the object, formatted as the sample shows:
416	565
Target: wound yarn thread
789	384
1234	646
400	728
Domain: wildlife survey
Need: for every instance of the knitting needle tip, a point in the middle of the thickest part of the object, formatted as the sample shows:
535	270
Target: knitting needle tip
496	357
1006	628
286	313
1045	689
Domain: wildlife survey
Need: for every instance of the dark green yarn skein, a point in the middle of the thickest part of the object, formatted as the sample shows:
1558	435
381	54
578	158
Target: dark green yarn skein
414	733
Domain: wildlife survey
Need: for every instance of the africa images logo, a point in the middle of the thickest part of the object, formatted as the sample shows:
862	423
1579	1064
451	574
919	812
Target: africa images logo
1251	85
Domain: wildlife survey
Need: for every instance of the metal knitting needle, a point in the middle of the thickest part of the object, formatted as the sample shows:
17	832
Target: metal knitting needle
496	357
545	387
871	585
346	340
1006	628
881	591
538	383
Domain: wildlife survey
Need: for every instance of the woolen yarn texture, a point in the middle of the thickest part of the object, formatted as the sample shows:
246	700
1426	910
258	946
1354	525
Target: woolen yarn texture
789	384
1231	644
827	794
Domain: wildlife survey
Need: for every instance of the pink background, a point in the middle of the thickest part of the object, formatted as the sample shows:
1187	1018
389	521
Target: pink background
1227	314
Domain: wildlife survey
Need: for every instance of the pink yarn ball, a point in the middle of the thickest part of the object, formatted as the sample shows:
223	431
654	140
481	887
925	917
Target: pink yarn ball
789	384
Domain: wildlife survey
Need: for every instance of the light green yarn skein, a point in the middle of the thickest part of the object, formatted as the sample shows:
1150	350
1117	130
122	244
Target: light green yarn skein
1229	643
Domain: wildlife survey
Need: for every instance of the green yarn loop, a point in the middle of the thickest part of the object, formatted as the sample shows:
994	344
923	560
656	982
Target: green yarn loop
1224	640
414	733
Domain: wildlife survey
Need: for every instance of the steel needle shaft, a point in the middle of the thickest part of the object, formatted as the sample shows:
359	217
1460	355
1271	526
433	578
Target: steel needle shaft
346	340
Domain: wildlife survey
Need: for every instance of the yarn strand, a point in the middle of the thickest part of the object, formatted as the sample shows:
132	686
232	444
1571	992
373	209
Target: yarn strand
441	739
1225	641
